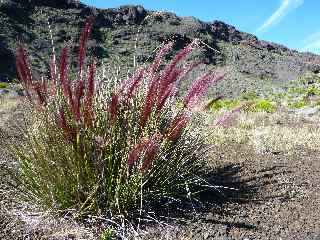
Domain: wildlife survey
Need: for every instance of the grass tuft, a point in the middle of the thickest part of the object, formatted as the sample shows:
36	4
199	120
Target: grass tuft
114	147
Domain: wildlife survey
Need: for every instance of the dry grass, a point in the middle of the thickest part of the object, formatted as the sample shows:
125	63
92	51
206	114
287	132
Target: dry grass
269	133
6	104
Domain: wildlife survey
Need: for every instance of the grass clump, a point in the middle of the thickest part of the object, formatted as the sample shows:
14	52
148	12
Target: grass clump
3	85
297	104
313	90
115	147
224	104
263	105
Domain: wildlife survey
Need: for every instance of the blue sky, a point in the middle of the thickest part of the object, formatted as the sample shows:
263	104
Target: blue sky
293	23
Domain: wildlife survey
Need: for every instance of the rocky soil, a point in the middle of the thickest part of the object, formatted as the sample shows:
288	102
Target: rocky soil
283	204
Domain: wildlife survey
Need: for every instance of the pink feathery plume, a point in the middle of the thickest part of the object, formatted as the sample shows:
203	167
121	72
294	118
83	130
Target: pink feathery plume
65	83
83	44
176	127
154	80
41	90
90	86
166	90
199	88
79	91
23	66
88	102
113	108
150	153
63	124
172	74
182	54
23	70
149	102
164	97
133	83
158	59
165	77
186	69
136	151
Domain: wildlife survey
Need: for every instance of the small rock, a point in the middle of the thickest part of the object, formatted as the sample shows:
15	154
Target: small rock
307	111
4	91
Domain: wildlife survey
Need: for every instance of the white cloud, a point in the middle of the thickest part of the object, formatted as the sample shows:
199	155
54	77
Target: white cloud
312	43
285	7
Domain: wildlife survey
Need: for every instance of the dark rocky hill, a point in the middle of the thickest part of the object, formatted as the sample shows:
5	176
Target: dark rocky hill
119	34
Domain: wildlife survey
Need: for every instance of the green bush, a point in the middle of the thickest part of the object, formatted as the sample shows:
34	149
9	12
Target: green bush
297	104
114	147
308	78
263	105
313	90
3	85
224	103
108	234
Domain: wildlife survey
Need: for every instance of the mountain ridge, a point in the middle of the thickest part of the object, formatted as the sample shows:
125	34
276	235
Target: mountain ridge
250	63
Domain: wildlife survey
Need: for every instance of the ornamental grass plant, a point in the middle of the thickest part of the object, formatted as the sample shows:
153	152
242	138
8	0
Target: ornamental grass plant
115	147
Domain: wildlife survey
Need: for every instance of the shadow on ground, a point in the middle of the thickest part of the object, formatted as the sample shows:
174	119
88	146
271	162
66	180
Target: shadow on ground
228	186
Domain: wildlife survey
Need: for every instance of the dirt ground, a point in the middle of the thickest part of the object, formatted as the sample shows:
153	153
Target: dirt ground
278	196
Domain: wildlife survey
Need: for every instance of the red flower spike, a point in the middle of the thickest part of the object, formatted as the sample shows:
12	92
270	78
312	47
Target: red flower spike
158	59
163	98
41	92
136	151
24	70
150	154
149	103
199	87
77	99
23	66
176	127
113	108
90	86
150	148
62	122
88	102
172	65
133	83
167	86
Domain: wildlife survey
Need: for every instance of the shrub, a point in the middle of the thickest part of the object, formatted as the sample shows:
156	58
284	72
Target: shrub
113	147
3	85
263	105
313	90
297	104
224	103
